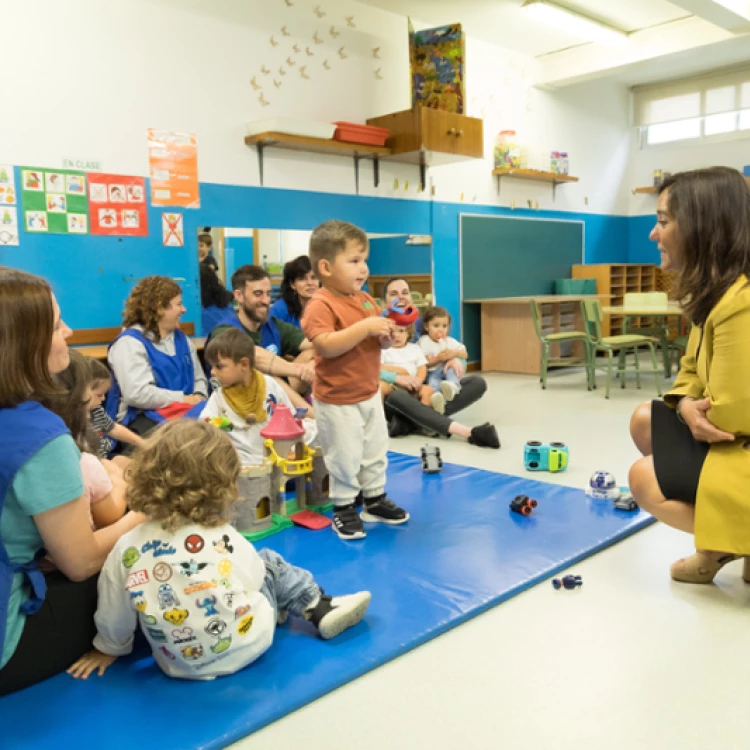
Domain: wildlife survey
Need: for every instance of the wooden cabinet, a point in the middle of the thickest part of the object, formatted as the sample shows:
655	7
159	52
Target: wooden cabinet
418	130
613	281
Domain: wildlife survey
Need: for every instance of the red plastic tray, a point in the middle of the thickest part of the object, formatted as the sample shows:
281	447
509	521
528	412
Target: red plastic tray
369	135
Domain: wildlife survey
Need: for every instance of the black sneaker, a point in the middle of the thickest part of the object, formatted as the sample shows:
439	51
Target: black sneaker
398	426
359	500
382	510
485	436
332	616
347	524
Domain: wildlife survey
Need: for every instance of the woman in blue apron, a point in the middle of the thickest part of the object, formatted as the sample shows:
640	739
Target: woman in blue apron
45	622
157	373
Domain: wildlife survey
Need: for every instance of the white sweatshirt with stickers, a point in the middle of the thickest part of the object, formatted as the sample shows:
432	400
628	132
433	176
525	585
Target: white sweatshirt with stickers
196	594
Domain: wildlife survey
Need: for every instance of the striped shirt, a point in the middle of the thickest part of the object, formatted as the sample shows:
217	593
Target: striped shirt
103	424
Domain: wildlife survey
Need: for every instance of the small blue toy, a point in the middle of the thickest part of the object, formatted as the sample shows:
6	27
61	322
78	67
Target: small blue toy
551	457
567	582
603	486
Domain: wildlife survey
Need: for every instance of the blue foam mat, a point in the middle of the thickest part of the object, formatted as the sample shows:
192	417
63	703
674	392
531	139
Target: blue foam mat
462	552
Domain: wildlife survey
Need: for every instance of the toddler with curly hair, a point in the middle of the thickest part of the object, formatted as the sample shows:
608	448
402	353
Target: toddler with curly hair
207	601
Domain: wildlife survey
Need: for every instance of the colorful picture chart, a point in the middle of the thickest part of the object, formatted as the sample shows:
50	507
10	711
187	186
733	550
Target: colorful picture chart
173	168
8	210
118	205
54	201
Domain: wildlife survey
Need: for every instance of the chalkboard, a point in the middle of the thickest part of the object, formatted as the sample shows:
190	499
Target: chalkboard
509	257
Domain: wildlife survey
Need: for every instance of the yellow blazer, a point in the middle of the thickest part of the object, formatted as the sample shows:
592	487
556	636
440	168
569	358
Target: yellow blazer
716	365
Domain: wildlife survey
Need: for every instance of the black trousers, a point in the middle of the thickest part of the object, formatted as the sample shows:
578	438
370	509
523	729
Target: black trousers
58	634
411	409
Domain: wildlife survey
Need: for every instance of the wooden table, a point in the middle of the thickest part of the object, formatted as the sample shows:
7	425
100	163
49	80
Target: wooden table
99	351
509	341
660	329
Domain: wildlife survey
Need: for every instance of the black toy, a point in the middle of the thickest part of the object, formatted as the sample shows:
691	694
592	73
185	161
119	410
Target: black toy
568	582
523	504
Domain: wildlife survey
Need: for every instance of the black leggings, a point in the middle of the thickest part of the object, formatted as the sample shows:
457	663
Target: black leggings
58	634
411	409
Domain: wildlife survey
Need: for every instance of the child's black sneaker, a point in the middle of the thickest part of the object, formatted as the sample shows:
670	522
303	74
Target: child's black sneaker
485	436
398	426
347	524
359	500
380	509
332	616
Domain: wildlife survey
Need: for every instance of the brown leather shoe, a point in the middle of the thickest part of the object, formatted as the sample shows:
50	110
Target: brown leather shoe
700	567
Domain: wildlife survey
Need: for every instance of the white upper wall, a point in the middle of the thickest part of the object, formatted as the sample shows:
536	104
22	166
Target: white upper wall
103	73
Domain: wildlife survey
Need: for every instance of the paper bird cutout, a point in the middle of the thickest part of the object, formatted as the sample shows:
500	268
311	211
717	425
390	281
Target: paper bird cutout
377	75
326	65
309	52
332	31
277	83
376	53
262	100
282	72
318	11
274	43
284	32
290	62
289	3
296	49
303	73
342	55
256	86
350	22
265	70
317	39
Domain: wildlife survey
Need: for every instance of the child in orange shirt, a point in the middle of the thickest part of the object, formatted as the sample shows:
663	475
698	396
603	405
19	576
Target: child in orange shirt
346	329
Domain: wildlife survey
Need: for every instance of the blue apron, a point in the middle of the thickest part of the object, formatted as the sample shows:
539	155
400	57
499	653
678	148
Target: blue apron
213	316
24	431
173	373
270	338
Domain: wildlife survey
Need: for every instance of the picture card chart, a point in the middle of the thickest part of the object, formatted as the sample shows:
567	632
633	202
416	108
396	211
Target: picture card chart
173	168
8	209
54	201
118	205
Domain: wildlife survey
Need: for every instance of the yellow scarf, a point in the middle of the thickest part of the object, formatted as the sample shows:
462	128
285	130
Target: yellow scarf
249	402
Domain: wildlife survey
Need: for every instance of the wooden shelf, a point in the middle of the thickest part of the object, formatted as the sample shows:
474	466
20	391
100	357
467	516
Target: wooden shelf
357	151
553	178
645	191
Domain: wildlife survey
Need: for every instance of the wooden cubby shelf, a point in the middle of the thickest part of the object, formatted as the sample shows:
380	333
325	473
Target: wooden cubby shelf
553	178
357	151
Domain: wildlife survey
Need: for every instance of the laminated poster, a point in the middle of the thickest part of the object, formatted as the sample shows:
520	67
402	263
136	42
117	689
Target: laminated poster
7	186
54	201
173	168
8	225
171	230
118	205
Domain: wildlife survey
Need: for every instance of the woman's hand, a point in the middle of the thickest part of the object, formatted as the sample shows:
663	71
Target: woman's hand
693	413
410	382
193	399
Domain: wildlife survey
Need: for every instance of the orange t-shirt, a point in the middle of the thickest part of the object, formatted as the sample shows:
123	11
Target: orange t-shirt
355	375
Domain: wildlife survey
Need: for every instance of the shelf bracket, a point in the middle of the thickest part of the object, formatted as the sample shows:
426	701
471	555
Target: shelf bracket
356	173
422	171
498	185
376	170
259	147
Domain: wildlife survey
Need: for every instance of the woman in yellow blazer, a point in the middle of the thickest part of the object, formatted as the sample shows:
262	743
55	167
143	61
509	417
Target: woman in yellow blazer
695	470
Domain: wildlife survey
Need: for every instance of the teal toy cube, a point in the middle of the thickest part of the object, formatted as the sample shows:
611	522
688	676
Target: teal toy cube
552	457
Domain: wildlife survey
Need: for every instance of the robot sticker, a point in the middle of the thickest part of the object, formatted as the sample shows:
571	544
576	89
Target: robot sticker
229	598
176	616
222	546
167	597
191	568
192	653
224	567
208	603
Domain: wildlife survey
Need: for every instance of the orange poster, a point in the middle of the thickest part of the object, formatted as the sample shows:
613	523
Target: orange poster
173	167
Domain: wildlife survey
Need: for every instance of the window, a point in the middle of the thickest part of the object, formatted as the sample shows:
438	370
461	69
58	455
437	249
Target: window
694	108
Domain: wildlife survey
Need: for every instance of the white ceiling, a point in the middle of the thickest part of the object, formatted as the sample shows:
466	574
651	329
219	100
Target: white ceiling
663	34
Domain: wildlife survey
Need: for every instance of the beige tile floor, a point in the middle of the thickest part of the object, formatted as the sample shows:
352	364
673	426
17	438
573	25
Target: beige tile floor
632	660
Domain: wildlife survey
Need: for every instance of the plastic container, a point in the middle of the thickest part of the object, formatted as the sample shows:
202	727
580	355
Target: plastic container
564	162
368	135
288	126
575	286
507	150
554	162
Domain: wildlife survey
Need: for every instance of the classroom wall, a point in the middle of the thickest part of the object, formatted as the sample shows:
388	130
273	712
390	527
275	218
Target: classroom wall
391	255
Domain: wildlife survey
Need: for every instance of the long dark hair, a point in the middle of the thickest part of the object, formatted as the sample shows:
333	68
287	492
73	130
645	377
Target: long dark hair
711	210
213	292
294	270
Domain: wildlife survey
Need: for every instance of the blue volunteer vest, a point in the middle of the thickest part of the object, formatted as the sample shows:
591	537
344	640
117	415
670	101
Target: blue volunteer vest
212	316
270	337
173	373
24	431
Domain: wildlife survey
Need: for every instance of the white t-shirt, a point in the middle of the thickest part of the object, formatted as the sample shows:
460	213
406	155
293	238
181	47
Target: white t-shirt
410	357
246	437
433	348
196	595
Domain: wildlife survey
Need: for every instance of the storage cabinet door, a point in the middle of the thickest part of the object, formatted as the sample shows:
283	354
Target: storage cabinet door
469	137
439	130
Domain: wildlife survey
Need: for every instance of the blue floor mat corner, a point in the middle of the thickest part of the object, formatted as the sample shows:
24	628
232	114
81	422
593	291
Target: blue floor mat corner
462	552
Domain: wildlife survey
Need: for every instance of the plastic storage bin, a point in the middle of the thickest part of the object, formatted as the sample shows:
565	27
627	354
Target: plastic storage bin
575	286
368	135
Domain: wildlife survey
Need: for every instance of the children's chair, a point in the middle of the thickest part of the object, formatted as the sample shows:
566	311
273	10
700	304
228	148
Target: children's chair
592	318
559	338
416	296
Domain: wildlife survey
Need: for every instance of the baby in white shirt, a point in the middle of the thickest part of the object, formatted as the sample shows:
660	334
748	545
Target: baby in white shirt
405	358
439	348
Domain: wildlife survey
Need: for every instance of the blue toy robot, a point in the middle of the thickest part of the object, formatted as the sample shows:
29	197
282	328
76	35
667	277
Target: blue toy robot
551	457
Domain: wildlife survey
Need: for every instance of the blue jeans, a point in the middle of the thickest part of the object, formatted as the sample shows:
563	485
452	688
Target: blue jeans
287	588
439	374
